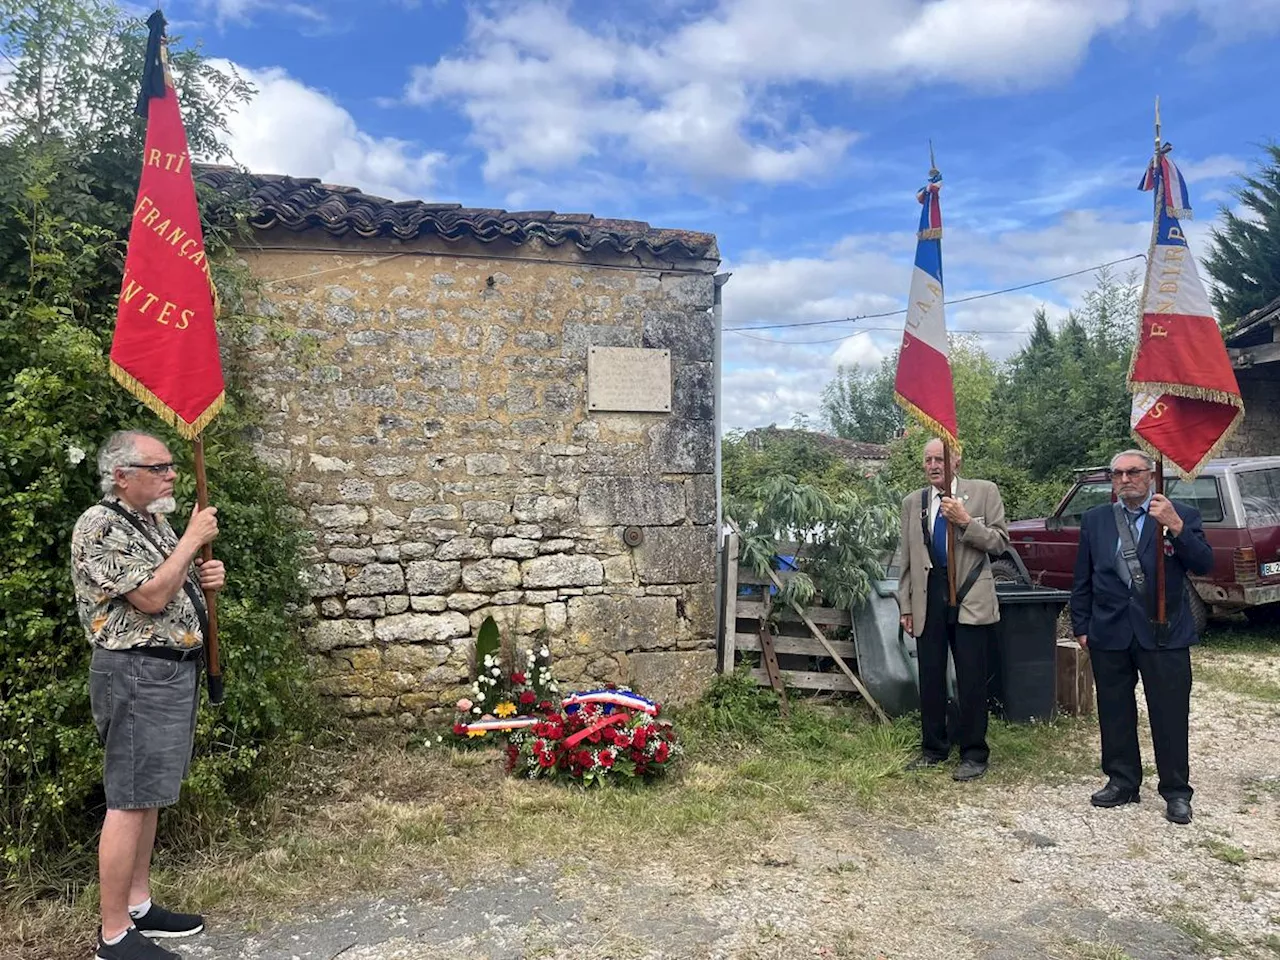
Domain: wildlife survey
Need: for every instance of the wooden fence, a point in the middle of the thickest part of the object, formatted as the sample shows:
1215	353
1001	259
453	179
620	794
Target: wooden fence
750	622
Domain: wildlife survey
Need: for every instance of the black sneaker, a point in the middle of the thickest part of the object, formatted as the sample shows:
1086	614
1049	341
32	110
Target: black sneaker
163	924
134	946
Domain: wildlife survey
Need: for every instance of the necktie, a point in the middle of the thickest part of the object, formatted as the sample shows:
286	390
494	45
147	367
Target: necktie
940	540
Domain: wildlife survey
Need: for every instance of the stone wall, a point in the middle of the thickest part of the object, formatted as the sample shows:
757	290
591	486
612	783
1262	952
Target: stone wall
1259	435
429	409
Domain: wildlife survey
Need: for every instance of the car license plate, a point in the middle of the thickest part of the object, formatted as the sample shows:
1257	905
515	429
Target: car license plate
1271	569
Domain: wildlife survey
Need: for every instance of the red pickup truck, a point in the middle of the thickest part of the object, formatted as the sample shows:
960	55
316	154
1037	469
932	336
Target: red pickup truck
1239	501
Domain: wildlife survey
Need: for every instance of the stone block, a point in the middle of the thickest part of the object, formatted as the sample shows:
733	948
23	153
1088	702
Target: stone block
644	501
578	336
389	466
355	491
421	627
330	464
363	659
334	634
683	446
366	607
677	555
515	547
433	513
467	602
673	678
556	618
433	576
537	508
414	658
619	569
700	498
376	578
487	464
486	511
338	515
696	291
410	491
694	396
561	570
689	335
331	607
491	575
558	545
607	623
397	603
463	548
325	580
427	604
352	555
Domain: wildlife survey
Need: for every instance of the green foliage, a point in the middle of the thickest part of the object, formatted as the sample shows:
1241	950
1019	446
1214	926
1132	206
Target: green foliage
747	460
841	538
859	404
69	164
1244	260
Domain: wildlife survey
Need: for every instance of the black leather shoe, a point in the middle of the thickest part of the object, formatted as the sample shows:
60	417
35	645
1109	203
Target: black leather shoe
1114	796
969	770
923	761
1178	811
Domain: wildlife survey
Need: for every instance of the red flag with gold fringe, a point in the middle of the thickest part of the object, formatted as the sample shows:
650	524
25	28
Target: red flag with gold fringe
165	350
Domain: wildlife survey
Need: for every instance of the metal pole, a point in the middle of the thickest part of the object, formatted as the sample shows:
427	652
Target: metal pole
947	478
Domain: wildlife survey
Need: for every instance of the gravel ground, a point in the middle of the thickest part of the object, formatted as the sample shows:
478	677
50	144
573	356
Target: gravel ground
988	871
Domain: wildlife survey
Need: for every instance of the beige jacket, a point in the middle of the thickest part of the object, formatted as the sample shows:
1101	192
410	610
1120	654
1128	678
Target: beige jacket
986	533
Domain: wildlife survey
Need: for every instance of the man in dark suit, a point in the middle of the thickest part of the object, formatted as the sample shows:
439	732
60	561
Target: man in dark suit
1112	612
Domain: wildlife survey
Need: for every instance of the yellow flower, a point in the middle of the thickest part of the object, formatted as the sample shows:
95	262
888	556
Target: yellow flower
505	709
476	733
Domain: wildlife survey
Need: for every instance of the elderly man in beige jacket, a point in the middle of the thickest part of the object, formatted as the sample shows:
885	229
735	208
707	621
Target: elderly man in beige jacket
975	509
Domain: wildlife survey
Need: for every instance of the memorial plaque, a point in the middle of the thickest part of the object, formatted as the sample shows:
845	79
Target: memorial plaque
628	380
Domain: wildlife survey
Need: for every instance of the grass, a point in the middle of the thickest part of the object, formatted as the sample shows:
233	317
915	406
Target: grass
382	817
1225	852
1207	941
1240	637
1239	681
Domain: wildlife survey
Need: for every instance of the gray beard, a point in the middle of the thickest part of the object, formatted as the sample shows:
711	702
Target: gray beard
163	506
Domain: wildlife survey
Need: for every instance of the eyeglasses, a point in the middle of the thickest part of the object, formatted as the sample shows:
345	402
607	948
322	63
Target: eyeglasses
159	469
1133	472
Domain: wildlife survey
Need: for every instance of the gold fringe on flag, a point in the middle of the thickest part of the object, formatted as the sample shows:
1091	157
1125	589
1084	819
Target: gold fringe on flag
188	431
929	423
933	233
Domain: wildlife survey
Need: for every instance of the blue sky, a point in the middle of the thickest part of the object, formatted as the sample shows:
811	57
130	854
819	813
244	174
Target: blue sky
795	130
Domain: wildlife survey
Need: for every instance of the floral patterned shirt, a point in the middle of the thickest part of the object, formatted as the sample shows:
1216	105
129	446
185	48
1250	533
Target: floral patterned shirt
111	558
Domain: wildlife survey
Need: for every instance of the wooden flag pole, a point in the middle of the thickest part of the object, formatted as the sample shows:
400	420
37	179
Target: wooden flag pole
1161	616
213	668
947	478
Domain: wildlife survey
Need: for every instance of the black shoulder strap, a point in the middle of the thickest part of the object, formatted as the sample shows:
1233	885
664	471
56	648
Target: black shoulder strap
924	525
1129	550
193	593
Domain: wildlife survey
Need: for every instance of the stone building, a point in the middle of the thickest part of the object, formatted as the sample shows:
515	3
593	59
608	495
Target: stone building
1254	348
424	370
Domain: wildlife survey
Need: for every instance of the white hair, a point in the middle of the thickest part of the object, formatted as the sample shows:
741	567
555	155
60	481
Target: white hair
117	453
1141	455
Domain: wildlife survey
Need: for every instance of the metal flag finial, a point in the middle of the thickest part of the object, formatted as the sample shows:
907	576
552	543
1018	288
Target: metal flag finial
933	167
1158	123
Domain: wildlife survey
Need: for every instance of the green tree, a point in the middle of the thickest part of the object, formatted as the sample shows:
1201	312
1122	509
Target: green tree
858	403
69	163
1244	259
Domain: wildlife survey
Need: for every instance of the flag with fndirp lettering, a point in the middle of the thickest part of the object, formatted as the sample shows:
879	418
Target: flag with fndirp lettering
1186	402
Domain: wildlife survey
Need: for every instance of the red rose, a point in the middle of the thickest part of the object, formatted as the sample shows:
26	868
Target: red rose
606	758
546	759
661	752
518	678
527	698
640	737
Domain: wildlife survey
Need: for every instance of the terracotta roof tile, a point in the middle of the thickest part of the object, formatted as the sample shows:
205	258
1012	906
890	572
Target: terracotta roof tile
301	204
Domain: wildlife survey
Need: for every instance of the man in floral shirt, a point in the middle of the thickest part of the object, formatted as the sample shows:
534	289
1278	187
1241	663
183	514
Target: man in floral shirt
138	590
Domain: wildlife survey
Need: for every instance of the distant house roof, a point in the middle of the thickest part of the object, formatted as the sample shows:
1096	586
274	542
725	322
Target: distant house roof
1256	327
303	204
844	449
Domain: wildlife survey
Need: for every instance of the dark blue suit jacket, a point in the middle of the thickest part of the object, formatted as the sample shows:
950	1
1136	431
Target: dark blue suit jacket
1106	610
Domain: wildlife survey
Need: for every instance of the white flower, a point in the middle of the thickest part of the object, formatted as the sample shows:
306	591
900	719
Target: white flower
488	660
553	687
74	454
496	672
439	738
544	652
475	709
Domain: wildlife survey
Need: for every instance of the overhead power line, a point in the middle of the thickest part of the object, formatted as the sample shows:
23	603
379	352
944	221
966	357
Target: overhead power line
897	313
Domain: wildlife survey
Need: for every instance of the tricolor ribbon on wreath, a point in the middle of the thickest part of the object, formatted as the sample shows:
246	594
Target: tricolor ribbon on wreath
611	700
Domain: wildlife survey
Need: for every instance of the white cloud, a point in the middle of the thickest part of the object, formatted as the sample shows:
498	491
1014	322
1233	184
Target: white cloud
721	95
240	11
294	129
770	380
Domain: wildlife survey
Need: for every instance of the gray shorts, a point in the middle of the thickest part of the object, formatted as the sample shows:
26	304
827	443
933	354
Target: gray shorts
145	712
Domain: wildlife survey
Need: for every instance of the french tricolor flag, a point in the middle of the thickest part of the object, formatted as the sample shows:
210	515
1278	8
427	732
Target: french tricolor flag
1186	401
923	384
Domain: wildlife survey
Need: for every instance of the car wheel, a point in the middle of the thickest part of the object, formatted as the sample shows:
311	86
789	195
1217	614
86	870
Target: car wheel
1006	571
1199	612
1267	615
